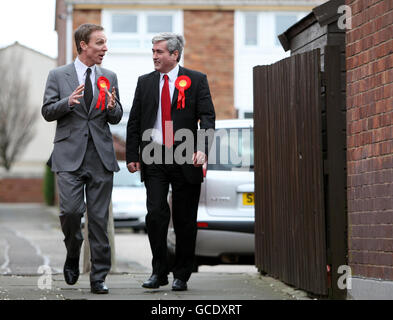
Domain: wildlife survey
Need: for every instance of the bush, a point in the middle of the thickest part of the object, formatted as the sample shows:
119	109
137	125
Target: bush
49	187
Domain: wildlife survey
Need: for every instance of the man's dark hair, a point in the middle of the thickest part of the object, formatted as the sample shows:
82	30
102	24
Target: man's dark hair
83	34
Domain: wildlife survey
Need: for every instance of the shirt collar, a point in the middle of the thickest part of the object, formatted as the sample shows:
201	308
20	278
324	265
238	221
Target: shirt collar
172	75
80	66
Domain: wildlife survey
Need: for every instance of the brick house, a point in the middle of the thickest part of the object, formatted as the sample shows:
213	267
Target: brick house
23	183
369	63
224	39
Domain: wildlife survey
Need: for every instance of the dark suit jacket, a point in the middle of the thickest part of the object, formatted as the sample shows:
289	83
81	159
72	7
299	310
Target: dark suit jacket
198	109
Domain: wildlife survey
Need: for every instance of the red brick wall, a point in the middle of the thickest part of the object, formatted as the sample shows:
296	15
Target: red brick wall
210	49
21	190
369	62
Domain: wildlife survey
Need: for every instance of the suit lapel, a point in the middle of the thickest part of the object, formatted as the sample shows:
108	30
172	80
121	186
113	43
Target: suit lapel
96	91
73	82
71	76
156	90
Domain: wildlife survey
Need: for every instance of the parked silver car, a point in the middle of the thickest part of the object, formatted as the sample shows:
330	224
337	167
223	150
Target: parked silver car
128	199
226	207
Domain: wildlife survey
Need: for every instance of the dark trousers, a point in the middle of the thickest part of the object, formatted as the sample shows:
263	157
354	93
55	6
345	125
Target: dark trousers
185	198
93	178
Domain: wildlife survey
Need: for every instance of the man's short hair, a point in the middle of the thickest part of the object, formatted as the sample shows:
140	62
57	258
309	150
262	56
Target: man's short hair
83	34
174	42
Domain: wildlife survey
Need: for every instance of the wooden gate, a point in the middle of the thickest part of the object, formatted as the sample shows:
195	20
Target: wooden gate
290	227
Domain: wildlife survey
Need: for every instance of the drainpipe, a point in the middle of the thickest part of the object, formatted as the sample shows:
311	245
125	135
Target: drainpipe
69	34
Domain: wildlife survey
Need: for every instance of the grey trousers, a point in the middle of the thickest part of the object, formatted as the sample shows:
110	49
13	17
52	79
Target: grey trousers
97	182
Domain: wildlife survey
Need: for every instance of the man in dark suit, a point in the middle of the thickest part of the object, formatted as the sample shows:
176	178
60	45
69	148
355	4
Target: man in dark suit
83	156
163	106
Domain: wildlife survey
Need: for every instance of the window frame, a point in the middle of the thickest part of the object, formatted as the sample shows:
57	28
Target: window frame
142	35
266	20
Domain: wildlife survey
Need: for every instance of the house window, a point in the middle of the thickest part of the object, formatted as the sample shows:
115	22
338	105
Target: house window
248	115
132	30
283	22
124	23
258	30
157	23
256	43
251	29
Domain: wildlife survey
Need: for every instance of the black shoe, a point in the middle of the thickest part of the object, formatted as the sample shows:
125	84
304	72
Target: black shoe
99	287
179	285
155	282
71	270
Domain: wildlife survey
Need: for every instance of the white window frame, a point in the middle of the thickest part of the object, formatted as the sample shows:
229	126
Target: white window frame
142	35
247	56
266	20
243	27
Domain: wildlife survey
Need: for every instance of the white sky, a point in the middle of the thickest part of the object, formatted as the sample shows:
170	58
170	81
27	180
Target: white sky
31	23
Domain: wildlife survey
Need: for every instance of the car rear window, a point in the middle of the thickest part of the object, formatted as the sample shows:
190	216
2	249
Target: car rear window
232	149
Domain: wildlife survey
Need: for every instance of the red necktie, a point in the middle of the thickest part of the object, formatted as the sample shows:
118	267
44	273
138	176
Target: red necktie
167	127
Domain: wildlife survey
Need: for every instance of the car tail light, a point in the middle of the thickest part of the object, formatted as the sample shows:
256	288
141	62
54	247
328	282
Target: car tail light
202	225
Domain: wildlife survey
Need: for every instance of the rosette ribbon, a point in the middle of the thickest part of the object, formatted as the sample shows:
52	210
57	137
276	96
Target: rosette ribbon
103	84
182	83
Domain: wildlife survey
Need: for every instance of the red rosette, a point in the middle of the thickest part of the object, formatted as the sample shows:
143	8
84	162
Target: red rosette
103	85
182	83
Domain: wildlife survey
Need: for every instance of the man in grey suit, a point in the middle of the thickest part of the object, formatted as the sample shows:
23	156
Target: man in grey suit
83	156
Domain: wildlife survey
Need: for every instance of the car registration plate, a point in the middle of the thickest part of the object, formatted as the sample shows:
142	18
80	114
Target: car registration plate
248	199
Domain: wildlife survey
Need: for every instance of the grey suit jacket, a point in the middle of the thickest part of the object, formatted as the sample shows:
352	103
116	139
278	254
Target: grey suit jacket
75	123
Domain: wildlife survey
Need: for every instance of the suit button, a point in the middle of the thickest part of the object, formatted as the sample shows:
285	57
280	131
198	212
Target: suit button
86	134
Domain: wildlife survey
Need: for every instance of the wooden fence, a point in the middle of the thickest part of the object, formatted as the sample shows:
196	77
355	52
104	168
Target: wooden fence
290	220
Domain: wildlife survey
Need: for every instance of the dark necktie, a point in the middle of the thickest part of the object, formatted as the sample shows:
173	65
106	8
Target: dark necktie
88	93
167	127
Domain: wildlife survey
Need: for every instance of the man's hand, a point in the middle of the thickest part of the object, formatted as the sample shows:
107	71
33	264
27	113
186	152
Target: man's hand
112	98
77	94
199	158
134	167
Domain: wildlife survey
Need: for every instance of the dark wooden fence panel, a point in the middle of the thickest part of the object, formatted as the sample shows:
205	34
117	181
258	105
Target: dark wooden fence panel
335	165
289	203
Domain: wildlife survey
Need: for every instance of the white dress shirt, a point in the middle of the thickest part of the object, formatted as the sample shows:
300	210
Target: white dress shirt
172	75
81	69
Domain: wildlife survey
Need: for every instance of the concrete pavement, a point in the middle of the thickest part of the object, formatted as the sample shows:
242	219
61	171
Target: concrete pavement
30	237
202	286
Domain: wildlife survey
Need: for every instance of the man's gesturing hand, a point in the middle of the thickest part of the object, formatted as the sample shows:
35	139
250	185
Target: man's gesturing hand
77	94
112	98
134	167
